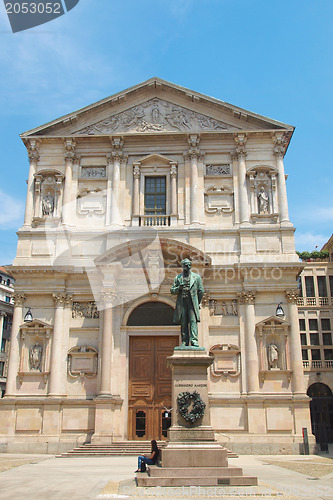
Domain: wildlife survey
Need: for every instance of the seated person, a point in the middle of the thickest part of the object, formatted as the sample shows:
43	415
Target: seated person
149	460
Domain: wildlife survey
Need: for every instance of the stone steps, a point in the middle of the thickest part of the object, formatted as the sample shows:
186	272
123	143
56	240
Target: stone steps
194	476
193	471
127	448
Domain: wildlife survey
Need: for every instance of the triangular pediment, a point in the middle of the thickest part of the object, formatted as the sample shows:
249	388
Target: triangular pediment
156	106
273	320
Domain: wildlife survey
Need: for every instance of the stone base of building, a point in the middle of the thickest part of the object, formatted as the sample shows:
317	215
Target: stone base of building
254	445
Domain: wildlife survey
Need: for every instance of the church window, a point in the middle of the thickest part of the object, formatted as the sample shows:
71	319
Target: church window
155	195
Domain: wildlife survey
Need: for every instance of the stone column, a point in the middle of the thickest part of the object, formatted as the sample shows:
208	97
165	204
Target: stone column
56	384
14	352
295	344
108	297
33	155
279	152
251	351
194	154
173	193
243	195
136	194
67	198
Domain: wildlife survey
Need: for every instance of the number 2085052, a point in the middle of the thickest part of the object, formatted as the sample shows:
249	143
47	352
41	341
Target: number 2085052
33	8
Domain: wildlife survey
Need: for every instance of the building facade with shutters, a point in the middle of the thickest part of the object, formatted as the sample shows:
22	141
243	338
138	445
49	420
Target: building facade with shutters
315	307
6	318
118	194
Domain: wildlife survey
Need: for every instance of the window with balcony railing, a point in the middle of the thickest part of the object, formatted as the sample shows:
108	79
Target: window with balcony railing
155	202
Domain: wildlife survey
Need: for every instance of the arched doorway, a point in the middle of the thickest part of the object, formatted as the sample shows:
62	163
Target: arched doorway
321	408
153	339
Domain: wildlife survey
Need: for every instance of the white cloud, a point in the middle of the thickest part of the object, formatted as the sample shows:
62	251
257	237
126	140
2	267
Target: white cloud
309	241
11	211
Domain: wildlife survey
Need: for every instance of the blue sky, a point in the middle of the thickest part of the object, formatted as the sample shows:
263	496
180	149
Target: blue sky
270	57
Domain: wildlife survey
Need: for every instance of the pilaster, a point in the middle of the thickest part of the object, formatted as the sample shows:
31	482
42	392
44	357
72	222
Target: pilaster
33	154
247	298
295	344
70	158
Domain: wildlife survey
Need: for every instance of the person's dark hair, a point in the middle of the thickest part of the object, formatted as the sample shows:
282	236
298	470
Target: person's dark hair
154	446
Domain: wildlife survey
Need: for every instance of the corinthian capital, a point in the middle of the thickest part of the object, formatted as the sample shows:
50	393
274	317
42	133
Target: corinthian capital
247	297
33	151
59	299
292	295
240	141
70	149
280	145
109	295
136	171
19	299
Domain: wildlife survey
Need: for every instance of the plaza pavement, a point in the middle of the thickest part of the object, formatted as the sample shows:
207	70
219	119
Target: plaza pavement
49	478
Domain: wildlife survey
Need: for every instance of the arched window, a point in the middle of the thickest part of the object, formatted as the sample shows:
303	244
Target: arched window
151	314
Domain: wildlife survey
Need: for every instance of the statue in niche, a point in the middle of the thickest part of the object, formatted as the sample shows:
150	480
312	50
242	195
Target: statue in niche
263	201
189	290
35	356
48	205
273	356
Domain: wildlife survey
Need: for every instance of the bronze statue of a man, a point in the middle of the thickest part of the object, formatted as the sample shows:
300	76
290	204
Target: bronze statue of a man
189	290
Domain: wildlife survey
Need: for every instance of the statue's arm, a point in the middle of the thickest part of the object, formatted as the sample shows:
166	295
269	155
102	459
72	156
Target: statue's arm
201	290
176	287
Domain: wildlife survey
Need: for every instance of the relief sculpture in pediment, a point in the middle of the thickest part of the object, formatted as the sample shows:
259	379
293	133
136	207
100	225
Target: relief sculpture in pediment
154	115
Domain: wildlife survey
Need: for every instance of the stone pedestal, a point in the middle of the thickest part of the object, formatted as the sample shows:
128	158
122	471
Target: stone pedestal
192	456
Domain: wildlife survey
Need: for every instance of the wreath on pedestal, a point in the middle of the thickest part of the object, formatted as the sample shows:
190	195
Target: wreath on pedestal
184	399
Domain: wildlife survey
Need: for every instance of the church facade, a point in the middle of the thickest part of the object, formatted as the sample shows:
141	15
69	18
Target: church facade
118	194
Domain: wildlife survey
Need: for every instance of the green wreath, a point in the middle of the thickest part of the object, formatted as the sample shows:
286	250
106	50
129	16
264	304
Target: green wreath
184	399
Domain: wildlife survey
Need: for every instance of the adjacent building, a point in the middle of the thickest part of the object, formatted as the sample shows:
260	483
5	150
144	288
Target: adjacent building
118	194
6	318
315	308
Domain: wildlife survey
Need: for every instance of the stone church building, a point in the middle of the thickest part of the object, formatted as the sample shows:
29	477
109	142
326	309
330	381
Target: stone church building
119	193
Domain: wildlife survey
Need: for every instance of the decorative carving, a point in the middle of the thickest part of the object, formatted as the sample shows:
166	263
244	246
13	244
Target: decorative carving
34	350
240	140
85	310
69	150
48	187
19	299
223	169
247	297
35	356
109	295
82	362
292	295
93	172
280	145
226	360
91	202
155	115
223	308
136	171
272	337
48	205
173	170
33	151
218	200
263	201
273	357
59	299
184	400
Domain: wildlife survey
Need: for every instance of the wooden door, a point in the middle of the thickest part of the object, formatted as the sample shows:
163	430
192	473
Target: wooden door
149	386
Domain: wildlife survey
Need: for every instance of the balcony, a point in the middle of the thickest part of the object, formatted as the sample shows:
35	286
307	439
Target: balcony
154	220
315	365
314	301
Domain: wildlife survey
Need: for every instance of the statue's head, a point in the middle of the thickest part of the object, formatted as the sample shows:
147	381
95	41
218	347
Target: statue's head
186	264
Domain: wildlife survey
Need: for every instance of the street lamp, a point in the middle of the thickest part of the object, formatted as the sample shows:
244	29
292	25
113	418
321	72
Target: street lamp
279	311
28	318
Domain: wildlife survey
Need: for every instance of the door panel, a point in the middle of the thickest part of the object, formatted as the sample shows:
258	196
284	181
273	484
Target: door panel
149	386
